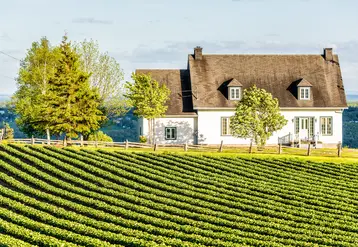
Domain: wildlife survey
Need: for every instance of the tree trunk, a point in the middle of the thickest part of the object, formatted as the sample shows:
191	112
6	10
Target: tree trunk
250	149
149	130
48	136
81	139
153	129
65	141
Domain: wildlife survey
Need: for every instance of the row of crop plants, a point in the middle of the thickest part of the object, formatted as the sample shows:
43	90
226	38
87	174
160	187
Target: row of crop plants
175	200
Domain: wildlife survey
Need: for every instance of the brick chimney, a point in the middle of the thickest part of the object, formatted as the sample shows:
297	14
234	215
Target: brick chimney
328	54
198	53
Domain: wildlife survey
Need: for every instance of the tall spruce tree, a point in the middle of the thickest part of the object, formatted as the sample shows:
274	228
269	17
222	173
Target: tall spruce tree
72	103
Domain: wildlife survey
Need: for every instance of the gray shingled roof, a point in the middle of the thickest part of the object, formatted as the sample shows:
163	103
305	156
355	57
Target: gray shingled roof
277	74
209	78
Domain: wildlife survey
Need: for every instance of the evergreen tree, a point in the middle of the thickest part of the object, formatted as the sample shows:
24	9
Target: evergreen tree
72	104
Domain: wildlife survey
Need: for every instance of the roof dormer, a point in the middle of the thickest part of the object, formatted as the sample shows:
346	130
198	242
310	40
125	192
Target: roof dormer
234	89
304	89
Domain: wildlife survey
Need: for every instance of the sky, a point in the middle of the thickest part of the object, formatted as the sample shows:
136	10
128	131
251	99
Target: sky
161	33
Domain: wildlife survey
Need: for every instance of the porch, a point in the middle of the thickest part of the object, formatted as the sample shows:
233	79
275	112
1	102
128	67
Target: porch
295	140
303	133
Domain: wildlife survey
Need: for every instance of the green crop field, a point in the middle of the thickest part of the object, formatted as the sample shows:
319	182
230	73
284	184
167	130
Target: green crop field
70	197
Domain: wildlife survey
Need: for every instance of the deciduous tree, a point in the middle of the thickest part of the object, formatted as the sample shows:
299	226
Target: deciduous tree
106	76
148	98
257	116
36	70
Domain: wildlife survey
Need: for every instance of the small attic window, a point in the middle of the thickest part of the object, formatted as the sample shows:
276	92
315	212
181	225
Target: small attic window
235	93
305	93
234	89
304	89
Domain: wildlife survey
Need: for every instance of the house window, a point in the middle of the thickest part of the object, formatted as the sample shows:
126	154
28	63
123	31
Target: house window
235	93
225	126
170	133
305	93
326	126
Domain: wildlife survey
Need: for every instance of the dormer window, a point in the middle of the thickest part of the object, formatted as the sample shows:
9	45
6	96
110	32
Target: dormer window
234	90
235	93
304	90
305	93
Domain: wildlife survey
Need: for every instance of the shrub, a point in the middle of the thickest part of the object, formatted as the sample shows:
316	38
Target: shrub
102	137
142	139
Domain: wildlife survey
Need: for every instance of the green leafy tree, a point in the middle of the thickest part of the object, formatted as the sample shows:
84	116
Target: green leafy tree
106	76
72	105
148	98
257	116
35	71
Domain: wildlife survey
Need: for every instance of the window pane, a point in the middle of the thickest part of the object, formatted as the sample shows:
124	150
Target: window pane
237	96
297	121
170	133
174	133
223	126
228	126
167	130
326	125
311	127
232	93
329	126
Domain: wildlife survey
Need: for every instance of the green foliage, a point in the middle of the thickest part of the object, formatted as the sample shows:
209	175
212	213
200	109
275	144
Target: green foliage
72	105
101	198
148	98
99	136
142	139
257	116
106	76
28	102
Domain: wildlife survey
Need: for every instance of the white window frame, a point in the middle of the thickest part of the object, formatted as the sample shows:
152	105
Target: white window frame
306	95
225	127
235	93
172	131
324	126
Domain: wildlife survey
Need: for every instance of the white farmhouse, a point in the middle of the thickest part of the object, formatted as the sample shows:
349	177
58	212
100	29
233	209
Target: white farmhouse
203	97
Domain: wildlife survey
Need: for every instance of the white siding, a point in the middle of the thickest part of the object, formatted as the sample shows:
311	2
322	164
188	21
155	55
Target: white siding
186	128
209	126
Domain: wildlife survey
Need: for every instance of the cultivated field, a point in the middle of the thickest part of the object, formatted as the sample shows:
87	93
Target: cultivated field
68	197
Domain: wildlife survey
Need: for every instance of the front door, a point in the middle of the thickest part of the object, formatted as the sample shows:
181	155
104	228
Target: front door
304	125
